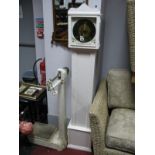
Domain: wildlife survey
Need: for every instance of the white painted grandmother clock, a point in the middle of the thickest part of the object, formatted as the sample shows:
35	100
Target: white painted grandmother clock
84	39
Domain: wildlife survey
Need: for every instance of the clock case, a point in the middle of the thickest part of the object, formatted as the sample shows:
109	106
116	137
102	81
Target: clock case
84	13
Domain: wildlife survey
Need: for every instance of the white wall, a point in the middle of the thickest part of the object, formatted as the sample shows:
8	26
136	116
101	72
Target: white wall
114	44
56	57
113	53
39	48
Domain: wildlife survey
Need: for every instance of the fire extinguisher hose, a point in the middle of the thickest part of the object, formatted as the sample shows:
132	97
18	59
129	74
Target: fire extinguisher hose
34	73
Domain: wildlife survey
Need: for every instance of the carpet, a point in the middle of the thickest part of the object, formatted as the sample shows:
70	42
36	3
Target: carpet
47	151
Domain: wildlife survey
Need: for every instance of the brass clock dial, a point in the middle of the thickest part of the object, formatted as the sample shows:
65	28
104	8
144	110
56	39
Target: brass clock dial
84	30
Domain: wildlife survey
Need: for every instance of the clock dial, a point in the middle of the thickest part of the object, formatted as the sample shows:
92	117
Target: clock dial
84	30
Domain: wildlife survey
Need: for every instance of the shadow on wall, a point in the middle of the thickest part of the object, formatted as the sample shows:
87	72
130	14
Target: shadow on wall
115	50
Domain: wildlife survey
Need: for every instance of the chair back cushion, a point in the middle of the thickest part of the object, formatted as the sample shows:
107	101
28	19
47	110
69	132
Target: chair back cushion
120	92
121	130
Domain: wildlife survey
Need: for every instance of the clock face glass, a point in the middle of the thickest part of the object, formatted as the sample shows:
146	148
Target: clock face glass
84	30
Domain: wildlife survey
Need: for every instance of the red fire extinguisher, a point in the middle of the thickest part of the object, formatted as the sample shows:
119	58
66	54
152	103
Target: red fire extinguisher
43	72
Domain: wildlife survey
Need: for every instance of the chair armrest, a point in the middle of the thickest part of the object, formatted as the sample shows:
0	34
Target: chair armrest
98	115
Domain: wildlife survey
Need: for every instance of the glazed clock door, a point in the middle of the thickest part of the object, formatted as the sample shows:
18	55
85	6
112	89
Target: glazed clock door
84	30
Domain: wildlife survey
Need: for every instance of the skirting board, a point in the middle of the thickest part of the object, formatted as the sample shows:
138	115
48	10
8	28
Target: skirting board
76	147
79	138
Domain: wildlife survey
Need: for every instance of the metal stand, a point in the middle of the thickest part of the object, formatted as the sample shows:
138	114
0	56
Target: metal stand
45	134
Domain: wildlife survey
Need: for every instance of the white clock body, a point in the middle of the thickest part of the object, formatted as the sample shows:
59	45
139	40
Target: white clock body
84	27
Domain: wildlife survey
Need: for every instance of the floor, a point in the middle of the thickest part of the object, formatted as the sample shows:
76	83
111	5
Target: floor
39	150
26	148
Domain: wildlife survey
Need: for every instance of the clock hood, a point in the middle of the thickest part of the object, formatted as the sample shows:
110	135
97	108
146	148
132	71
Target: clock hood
84	10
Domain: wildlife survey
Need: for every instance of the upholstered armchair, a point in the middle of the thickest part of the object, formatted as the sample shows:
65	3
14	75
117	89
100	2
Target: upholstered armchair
131	32
112	115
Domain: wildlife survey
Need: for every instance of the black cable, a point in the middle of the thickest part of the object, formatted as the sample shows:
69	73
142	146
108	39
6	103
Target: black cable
34	73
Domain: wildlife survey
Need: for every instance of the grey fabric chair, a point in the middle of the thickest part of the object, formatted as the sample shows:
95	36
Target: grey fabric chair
112	115
131	31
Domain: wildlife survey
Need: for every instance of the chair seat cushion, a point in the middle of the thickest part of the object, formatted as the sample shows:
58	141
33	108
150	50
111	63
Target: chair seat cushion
120	133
